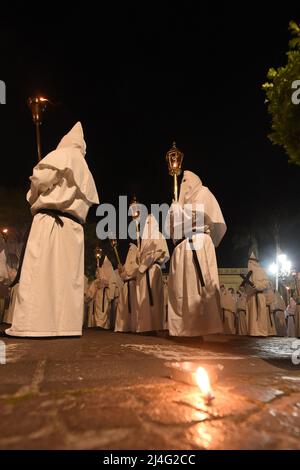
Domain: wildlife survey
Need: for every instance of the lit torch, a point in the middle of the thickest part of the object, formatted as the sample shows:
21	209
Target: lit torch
37	106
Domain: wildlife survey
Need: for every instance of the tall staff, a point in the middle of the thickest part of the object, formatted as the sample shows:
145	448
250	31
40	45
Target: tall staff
135	214
114	245
174	159
37	106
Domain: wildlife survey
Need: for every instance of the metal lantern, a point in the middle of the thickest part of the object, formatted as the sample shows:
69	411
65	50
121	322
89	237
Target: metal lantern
98	254
174	159
37	106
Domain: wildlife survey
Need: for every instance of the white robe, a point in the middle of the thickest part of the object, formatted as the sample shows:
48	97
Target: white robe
195	310
290	314
278	308
99	292
150	301
270	297
257	308
50	295
242	315
127	304
297	321
228	305
116	285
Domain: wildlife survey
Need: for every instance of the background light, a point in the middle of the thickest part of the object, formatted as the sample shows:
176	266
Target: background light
273	269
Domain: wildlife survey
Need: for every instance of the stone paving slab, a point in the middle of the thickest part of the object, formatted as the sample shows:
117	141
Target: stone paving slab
112	391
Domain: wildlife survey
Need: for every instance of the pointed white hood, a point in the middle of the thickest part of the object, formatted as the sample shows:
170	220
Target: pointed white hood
192	191
68	159
154	247
74	138
259	276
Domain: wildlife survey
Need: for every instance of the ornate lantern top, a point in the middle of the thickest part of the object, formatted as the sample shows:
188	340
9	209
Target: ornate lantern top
174	159
98	252
37	106
134	208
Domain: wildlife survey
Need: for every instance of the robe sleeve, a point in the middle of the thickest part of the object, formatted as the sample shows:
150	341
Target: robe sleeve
42	180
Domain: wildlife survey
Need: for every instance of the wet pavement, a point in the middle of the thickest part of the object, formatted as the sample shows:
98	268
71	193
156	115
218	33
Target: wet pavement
113	391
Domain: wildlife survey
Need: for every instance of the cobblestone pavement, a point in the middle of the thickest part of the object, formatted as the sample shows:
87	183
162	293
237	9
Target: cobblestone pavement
113	391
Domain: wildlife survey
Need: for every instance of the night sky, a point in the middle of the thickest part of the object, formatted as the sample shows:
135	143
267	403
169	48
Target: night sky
140	77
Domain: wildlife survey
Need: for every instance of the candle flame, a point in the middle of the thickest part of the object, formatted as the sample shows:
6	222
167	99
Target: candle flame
203	381
5	230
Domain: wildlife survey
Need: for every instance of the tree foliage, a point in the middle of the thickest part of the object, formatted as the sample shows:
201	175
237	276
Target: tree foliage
285	115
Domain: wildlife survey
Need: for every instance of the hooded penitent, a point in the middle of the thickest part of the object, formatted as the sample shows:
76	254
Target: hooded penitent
126	314
99	293
63	180
150	289
259	318
194	298
50	296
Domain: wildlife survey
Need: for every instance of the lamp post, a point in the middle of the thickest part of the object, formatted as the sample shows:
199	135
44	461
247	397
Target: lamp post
174	159
281	268
37	106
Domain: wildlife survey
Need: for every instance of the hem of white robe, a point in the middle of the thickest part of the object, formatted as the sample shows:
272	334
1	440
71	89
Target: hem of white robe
198	333
11	332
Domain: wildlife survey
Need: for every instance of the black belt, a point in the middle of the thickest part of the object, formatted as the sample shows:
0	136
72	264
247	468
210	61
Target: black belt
278	310
256	300
241	310
149	287
195	258
53	213
226	310
149	284
103	298
127	281
270	314
58	214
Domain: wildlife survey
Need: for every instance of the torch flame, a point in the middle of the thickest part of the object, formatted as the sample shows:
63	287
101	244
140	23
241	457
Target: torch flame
203	381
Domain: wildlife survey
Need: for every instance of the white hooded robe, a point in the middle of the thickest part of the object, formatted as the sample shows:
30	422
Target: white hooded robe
257	307
50	295
127	304
193	309
278	308
150	299
99	292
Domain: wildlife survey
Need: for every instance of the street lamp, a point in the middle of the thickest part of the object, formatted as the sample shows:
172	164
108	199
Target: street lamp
281	269
174	159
